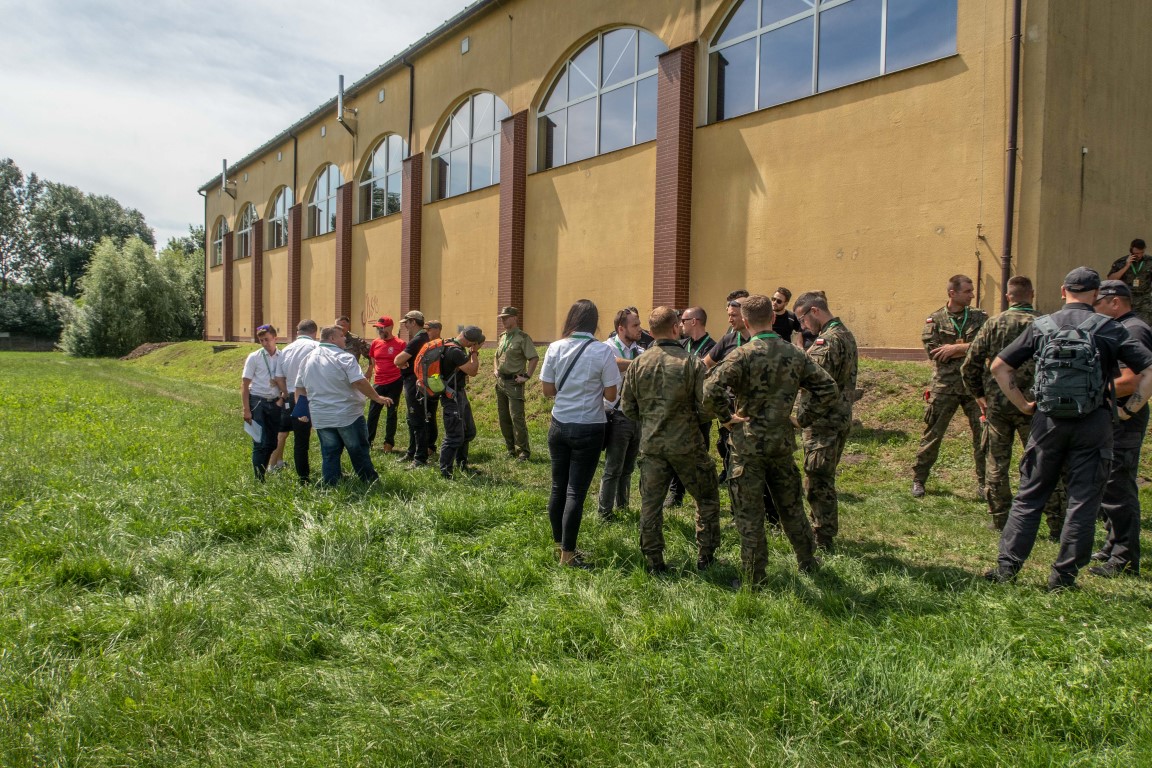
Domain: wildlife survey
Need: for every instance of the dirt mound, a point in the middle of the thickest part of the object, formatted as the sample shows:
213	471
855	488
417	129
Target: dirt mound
144	349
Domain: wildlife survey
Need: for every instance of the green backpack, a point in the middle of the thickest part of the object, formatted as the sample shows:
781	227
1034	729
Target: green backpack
1070	381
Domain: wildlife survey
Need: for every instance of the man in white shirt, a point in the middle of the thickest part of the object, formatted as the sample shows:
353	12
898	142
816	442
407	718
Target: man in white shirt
336	389
294	356
622	442
262	394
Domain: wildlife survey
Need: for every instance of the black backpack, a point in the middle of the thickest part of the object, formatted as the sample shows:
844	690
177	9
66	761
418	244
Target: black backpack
1070	381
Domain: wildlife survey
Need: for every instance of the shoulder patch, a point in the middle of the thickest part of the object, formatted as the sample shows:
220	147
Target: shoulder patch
930	319
819	342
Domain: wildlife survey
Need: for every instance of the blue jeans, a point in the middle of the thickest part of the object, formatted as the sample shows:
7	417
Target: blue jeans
575	452
267	415
333	442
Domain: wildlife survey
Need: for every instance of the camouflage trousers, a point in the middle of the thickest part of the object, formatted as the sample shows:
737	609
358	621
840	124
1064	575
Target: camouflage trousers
1000	430
748	474
941	408
1142	305
698	474
822	451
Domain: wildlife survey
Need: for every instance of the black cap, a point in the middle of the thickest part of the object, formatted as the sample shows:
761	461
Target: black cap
1115	288
473	334
1082	280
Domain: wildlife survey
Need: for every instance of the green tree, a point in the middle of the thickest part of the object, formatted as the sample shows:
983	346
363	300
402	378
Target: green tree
128	299
13	224
182	261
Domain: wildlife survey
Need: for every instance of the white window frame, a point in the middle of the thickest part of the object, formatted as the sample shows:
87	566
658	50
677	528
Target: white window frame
218	242
326	178
277	219
473	140
381	180
244	241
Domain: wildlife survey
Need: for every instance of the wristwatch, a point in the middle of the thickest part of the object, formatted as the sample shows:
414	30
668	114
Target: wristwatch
1125	409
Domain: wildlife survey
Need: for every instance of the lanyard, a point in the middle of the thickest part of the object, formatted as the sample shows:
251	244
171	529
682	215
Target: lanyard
765	335
267	367
623	354
739	339
504	346
331	346
1137	266
832	325
960	328
703	341
1021	308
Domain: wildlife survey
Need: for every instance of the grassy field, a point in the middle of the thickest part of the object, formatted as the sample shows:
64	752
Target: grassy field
160	608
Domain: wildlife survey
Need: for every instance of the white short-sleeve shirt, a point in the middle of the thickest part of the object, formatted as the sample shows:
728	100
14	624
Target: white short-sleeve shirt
328	375
260	368
581	401
294	356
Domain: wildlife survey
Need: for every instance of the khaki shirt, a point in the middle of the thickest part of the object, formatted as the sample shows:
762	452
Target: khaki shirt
943	327
513	351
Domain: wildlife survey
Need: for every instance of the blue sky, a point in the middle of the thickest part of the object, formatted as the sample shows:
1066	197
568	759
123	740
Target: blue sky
141	100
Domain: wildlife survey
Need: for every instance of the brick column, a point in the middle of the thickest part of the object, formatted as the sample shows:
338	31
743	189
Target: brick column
344	249
675	120
257	274
513	194
295	222
226	326
411	219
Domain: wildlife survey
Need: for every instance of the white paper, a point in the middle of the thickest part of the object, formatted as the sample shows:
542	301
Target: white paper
254	430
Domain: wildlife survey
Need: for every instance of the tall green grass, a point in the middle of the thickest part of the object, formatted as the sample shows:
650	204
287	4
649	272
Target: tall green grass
160	608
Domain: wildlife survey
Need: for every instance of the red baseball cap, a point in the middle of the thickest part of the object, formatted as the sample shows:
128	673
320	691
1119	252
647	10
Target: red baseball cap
383	322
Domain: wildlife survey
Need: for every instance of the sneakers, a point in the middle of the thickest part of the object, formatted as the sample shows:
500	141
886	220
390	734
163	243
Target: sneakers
917	489
1101	556
1000	575
1112	569
704	561
811	565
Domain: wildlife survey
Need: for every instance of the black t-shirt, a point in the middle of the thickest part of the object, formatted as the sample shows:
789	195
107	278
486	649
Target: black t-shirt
413	348
1142	333
699	348
728	342
1113	342
451	359
784	325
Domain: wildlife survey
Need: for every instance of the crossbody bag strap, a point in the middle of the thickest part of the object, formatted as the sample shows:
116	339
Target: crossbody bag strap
564	378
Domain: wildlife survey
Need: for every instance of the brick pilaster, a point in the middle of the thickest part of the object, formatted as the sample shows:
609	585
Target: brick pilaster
226	325
675	118
257	274
513	194
344	249
411	219
295	222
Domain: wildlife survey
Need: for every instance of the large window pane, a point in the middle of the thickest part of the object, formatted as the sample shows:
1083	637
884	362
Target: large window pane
482	163
650	50
619	61
483	118
551	137
778	10
919	31
395	153
616	118
581	131
395	199
849	43
583	73
646	110
559	94
735	68
496	160
786	63
462	124
742	21
440	177
458	173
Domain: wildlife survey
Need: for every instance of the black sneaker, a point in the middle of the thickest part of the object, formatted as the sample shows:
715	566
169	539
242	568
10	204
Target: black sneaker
1112	569
1101	556
657	568
1060	584
1000	575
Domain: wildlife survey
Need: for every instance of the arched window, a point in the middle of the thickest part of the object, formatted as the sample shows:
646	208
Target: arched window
322	205
603	99
380	192
218	234
772	51
244	231
467	156
278	218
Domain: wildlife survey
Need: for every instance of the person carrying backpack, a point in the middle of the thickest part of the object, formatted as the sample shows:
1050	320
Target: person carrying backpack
1076	353
442	370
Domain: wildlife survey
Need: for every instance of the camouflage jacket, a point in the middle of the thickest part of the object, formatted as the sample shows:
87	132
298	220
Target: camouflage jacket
356	345
834	350
765	375
942	327
996	334
663	390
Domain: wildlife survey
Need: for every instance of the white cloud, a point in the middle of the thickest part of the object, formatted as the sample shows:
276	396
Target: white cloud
140	100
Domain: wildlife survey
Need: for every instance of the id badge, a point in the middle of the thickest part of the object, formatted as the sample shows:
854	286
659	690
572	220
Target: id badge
1136	283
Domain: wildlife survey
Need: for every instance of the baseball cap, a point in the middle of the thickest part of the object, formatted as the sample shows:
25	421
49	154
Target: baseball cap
1082	280
414	315
473	334
1115	288
509	312
383	322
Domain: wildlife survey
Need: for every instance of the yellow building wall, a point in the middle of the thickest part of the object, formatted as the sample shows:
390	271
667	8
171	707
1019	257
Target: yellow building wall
318	280
589	235
275	290
213	305
1094	202
376	271
460	261
242	300
874	193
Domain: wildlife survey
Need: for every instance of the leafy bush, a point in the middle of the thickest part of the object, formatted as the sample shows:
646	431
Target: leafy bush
23	312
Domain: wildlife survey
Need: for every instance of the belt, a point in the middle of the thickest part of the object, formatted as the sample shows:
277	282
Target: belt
510	376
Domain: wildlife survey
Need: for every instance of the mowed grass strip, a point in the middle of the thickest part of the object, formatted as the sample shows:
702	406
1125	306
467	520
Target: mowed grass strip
158	607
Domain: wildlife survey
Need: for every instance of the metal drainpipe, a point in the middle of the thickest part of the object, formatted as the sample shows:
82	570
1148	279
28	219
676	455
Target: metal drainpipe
411	100
1010	160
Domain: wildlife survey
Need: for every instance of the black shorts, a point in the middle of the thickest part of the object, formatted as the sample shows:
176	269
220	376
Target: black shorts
286	419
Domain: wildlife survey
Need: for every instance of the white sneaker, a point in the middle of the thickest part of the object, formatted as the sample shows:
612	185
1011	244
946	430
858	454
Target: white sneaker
277	466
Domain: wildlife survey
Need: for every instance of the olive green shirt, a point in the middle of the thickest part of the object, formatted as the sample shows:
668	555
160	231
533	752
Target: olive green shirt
944	327
834	350
997	334
513	351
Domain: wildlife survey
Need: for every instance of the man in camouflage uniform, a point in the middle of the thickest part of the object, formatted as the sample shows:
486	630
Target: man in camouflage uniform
765	374
515	362
1002	420
1135	270
947	333
352	343
834	350
663	392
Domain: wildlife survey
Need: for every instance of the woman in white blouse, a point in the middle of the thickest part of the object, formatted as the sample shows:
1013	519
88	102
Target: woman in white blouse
580	374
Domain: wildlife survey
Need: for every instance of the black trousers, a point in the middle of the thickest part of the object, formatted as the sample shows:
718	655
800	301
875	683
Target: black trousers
575	453
459	430
1083	447
301	439
1121	503
421	416
391	390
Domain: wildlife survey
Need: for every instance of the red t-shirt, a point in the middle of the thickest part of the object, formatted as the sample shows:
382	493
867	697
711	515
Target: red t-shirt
383	353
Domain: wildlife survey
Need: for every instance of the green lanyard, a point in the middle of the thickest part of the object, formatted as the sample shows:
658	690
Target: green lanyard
739	339
1021	308
765	335
332	346
703	341
267	367
960	328
504	346
623	354
1137	266
832	325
